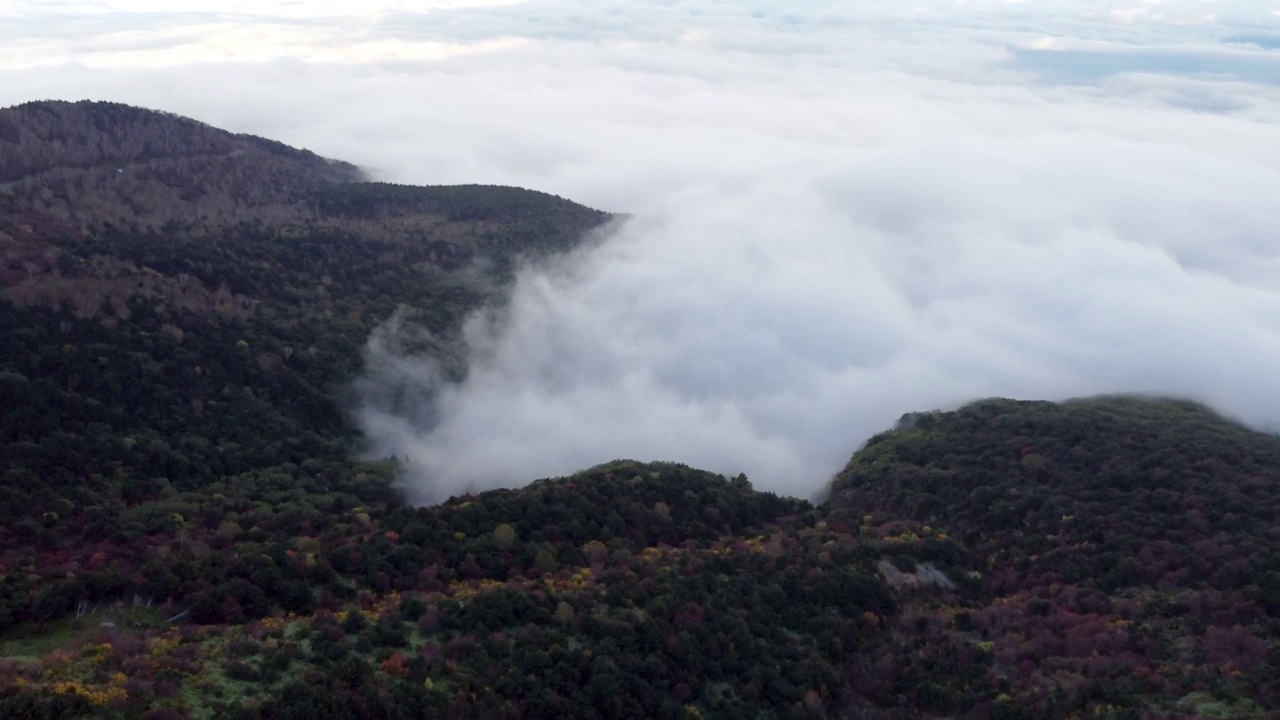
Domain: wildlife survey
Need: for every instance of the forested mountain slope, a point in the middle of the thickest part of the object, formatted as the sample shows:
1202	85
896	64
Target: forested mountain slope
165	350
152	350
185	531
1120	537
86	163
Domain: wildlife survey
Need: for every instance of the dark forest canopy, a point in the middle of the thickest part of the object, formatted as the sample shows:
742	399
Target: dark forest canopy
186	531
44	136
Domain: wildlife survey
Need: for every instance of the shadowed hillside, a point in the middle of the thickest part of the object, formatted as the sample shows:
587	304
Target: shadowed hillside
1153	520
85	163
150	350
186	531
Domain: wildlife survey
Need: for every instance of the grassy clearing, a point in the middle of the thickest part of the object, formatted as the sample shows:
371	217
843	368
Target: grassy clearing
30	642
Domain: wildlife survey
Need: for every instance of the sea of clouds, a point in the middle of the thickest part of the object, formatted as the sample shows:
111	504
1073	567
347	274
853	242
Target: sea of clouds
840	212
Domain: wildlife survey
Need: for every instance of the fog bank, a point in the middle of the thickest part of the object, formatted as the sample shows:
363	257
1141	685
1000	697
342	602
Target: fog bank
841	212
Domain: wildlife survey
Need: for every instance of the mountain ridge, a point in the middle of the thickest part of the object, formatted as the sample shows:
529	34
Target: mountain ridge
187	532
43	136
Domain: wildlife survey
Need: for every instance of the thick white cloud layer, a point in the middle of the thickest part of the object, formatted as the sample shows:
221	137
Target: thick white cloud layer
842	212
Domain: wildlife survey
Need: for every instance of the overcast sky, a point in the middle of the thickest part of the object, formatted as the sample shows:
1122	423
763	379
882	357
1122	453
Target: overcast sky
844	211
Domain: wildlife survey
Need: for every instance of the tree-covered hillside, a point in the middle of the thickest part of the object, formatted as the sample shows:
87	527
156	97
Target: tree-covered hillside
630	590
90	162
1125	541
186	530
148	364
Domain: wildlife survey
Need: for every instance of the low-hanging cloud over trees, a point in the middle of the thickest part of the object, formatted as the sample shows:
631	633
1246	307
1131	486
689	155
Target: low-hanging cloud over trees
838	214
